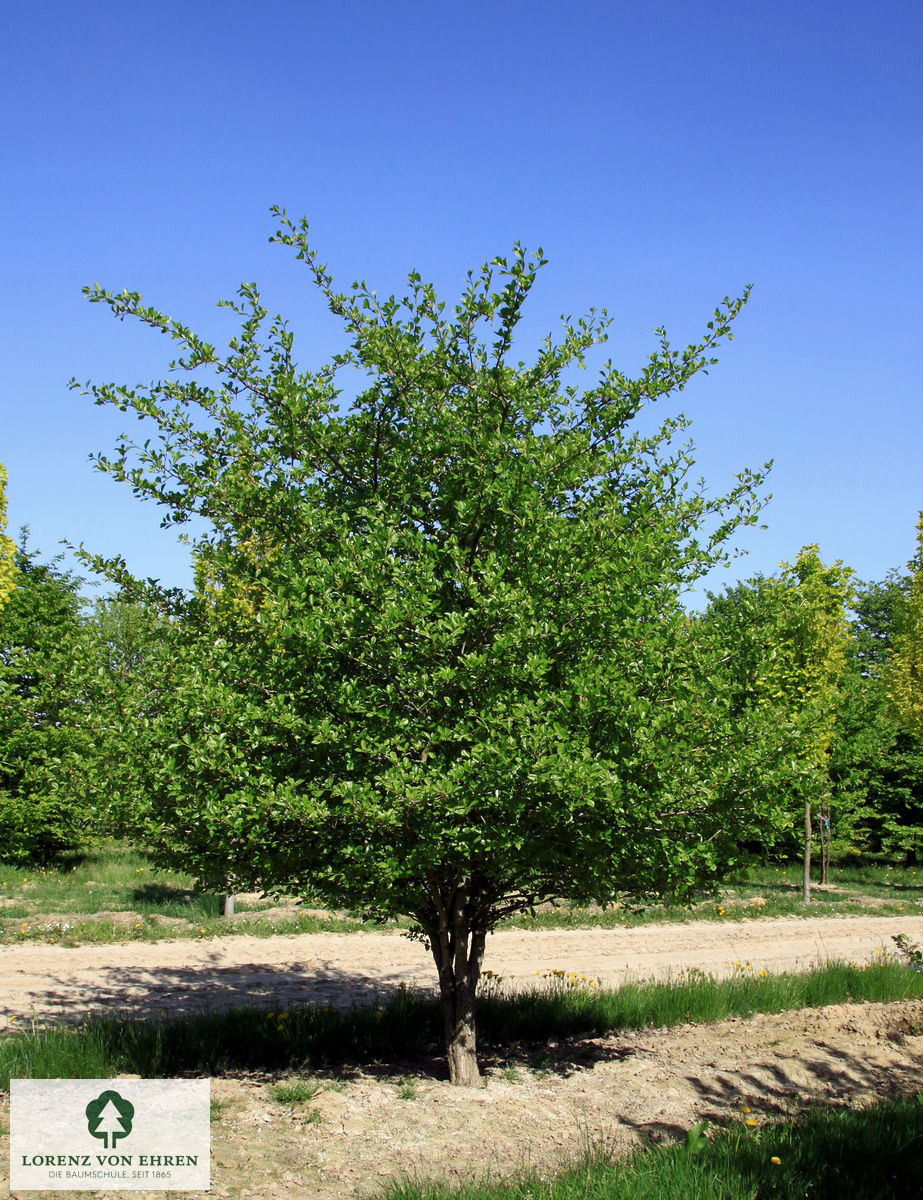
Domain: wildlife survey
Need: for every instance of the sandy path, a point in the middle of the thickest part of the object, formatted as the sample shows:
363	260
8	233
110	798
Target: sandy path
57	983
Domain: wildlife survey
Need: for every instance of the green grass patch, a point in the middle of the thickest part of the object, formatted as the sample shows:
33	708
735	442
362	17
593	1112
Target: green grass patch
873	1153
761	891
115	893
408	1024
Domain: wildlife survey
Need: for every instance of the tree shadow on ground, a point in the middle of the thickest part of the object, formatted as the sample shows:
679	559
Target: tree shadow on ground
162	894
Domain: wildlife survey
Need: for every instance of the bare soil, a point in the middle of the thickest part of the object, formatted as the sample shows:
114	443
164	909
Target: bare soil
624	1090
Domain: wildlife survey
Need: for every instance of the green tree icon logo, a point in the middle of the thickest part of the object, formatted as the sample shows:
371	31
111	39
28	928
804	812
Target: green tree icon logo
109	1116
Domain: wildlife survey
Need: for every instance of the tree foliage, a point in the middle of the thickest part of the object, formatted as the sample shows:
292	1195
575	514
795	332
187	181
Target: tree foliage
436	661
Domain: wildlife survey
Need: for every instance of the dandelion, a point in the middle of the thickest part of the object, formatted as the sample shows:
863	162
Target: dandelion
744	1109
775	1159
752	1123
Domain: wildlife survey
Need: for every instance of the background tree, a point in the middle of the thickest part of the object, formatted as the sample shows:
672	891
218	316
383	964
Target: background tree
876	765
124	682
436	661
903	673
784	642
42	741
749	625
807	667
78	690
7	547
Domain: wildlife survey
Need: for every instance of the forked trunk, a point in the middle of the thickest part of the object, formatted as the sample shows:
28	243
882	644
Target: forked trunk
458	953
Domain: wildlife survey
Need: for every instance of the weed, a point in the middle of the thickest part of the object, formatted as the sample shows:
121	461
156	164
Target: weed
910	950
294	1091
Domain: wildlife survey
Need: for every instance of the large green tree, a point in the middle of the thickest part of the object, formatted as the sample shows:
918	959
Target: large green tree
436	661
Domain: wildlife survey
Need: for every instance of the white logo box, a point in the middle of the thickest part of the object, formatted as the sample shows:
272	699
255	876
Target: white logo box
110	1134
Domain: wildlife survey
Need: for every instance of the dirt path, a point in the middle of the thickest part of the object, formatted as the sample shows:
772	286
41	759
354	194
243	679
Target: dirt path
366	1126
57	983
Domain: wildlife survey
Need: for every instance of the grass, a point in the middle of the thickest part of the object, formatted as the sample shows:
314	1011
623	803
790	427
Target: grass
762	891
408	1025
873	1153
114	893
294	1091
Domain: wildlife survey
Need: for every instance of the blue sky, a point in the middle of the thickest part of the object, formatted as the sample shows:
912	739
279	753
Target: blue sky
663	155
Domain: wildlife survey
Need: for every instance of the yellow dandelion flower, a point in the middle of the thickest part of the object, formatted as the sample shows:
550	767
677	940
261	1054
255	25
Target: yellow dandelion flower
776	1160
744	1109
752	1123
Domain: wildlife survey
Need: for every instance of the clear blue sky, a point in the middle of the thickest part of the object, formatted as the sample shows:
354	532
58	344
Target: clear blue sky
663	155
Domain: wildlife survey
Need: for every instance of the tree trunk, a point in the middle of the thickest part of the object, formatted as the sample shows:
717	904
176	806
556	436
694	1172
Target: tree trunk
825	839
806	878
226	905
458	952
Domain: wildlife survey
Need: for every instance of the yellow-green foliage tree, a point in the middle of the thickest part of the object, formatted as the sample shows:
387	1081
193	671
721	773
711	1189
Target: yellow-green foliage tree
805	667
7	548
903	674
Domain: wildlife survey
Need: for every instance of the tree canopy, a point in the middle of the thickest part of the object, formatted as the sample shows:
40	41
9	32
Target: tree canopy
436	661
